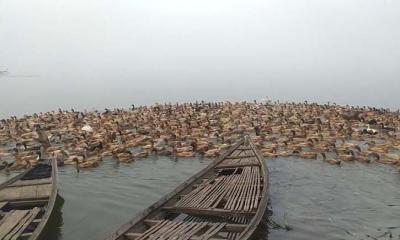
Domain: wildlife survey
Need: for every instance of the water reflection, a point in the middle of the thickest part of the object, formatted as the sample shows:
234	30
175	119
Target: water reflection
53	229
349	202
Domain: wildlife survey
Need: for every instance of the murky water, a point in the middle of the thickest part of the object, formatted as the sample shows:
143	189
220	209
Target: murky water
348	202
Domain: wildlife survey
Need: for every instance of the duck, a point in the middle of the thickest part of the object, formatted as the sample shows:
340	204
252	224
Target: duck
84	164
350	156
141	154
331	161
308	155
370	131
125	157
392	156
270	153
211	153
185	154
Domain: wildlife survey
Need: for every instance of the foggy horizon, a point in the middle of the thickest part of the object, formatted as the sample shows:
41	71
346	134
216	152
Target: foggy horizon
98	54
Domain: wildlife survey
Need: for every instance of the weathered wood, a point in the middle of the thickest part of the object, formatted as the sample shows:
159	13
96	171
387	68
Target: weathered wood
25	192
209	212
2	204
26	235
22	225
34	196
238	157
35	182
11	221
133	236
29	203
227	227
237	165
244	148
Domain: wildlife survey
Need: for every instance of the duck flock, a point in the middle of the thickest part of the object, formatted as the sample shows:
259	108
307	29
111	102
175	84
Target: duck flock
329	132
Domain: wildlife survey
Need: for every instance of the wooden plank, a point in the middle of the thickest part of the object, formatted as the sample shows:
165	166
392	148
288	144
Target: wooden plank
188	197
179	227
214	195
253	189
235	194
258	190
152	230
228	189
132	236
247	194
168	227
18	226
236	189
43	190
162	230
14	235
244	148
21	183
8	194
11	221
29	203
240	156
209	212
187	226
2	204
5	216
228	227
26	235
25	192
239	199
237	165
193	231
211	233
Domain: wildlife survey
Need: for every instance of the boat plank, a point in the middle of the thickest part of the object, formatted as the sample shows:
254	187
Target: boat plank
239	156
152	230
230	227
165	232
241	196
217	228
166	227
193	231
22	225
21	183
11	221
209	212
2	204
236	193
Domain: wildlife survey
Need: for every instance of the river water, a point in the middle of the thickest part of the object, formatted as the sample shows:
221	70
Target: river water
349	202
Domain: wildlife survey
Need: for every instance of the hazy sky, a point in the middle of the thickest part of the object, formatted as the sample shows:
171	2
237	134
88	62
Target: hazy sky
110	53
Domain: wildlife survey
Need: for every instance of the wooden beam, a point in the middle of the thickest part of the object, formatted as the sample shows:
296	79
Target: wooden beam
2	204
26	203
227	227
209	212
30	183
237	157
236	165
134	236
244	148
26	235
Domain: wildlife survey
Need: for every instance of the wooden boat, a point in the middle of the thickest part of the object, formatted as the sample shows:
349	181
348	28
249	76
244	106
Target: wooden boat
226	200
27	201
